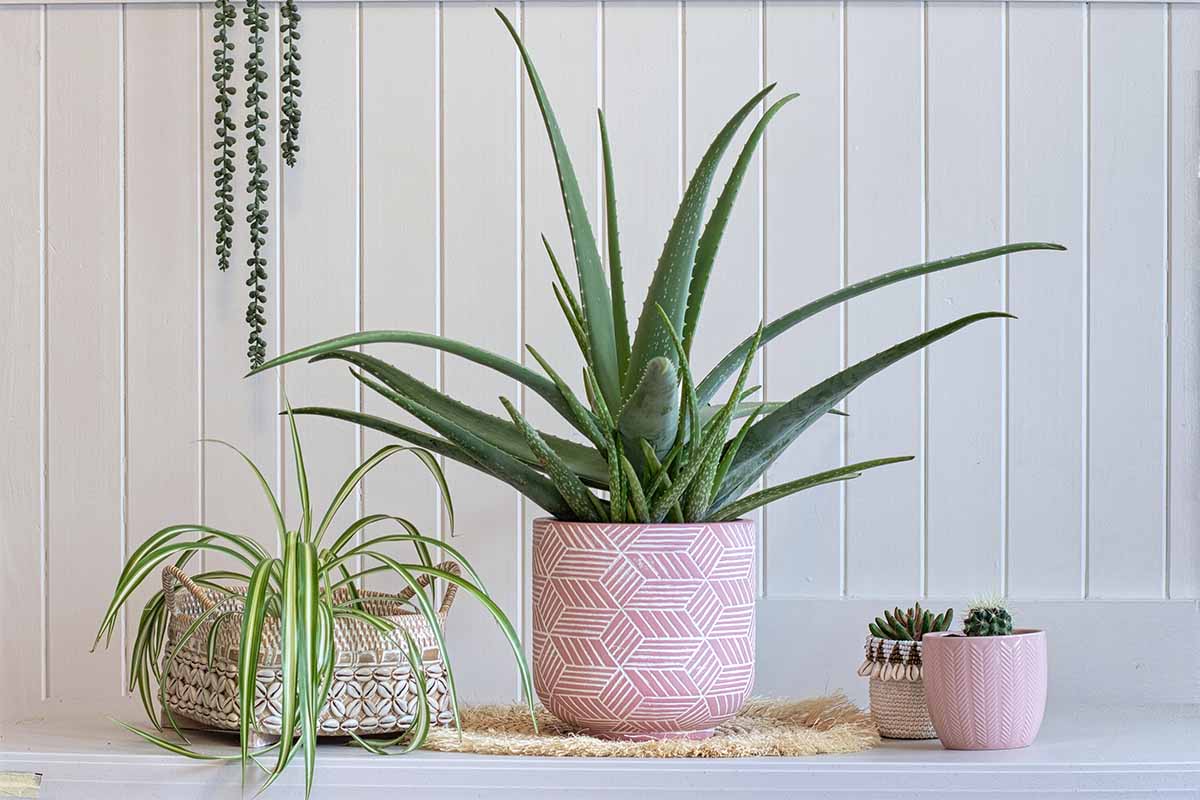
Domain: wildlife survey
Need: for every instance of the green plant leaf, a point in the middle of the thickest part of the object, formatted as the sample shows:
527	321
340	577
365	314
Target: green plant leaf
615	273
276	513
714	229
770	495
584	420
374	460
253	617
583	503
772	434
729	364
505	366
499	433
486	456
301	475
651	412
593	290
672	277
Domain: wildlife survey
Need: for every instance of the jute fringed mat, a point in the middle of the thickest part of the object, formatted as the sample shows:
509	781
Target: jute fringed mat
765	727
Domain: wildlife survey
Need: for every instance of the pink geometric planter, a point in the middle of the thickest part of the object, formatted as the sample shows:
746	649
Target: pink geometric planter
986	692
643	631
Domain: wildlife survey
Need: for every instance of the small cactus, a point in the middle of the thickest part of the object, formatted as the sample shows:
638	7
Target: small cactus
987	617
911	625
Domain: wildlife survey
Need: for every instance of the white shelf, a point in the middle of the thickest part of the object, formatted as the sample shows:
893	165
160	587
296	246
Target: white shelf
1109	752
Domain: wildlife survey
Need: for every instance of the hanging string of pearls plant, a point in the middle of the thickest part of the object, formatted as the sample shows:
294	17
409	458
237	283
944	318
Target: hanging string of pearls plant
256	21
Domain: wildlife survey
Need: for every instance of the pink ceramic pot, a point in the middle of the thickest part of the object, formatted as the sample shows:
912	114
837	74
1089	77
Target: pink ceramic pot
643	631
985	692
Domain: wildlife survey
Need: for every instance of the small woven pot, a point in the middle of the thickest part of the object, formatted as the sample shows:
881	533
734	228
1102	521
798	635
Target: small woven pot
898	704
373	691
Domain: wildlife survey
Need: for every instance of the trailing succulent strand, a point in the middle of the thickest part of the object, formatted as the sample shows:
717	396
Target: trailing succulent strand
910	625
224	18
256	21
987	618
659	445
289	83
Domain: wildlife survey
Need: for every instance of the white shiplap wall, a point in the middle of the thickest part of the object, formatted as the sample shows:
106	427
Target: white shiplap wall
1057	455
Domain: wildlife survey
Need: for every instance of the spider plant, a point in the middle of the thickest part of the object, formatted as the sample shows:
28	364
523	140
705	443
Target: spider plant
296	591
657	443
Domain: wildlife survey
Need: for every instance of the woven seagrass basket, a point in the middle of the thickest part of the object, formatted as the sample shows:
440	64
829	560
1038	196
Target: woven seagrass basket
374	690
897	689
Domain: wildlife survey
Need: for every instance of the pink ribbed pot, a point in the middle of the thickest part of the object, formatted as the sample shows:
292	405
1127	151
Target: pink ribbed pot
985	692
643	631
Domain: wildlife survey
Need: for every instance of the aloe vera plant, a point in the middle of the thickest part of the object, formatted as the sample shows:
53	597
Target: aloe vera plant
303	590
657	443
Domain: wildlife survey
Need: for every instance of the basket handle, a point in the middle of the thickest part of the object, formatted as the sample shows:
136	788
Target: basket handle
170	575
452	589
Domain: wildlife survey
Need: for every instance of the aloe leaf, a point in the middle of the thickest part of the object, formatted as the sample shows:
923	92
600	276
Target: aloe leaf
569	294
773	493
505	366
495	431
772	434
714	229
742	409
637	496
687	474
689	415
729	364
672	277
487	457
651	411
593	289
574	324
583	419
619	492
583	503
731	449
615	273
700	493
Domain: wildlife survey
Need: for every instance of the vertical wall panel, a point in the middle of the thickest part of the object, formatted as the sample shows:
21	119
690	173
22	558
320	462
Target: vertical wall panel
21	627
1126	301
400	218
1184	433
482	214
83	252
642	104
884	180
965	393
563	38
320	275
242	412
721	72
162	251
803	228
1046	202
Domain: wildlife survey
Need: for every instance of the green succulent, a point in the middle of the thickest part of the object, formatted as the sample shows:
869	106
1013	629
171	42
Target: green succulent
657	442
910	625
987	618
303	590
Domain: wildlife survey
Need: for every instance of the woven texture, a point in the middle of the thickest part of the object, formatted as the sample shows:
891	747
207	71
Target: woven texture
764	727
373	690
898	703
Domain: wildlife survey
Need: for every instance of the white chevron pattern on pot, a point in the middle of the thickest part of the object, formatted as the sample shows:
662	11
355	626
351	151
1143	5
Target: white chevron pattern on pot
986	692
643	631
